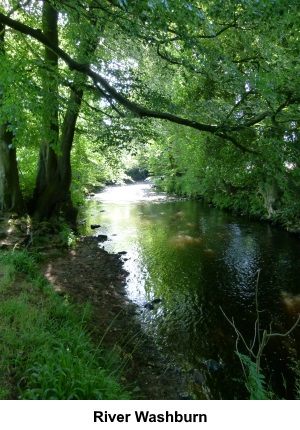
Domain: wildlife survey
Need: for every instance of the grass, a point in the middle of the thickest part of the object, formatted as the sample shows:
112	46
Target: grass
46	352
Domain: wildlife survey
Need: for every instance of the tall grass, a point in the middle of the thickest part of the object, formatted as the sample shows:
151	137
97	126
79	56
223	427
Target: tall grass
46	352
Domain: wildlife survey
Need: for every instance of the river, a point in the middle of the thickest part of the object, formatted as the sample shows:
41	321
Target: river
198	260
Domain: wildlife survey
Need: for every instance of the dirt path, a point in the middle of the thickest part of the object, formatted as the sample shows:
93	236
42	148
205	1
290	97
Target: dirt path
89	274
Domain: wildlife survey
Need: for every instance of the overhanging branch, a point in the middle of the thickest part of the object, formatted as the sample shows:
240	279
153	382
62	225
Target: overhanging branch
135	108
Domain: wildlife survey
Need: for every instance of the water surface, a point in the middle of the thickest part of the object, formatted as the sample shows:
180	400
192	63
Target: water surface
197	260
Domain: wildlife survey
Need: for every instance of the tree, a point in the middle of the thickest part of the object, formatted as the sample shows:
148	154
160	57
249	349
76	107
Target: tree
54	173
228	73
10	193
54	167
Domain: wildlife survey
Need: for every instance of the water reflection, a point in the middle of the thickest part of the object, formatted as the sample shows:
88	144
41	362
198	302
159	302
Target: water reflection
196	259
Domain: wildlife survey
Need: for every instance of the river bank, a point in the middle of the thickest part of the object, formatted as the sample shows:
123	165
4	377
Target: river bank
189	257
87	277
88	274
46	350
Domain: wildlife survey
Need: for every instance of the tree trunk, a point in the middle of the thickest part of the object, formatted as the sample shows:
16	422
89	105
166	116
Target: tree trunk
53	182
48	162
10	191
11	199
56	191
54	167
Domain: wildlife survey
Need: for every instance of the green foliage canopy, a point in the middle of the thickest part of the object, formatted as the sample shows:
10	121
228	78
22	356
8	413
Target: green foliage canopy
227	69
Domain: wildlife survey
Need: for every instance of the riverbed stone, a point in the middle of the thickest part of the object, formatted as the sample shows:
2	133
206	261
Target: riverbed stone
213	365
149	306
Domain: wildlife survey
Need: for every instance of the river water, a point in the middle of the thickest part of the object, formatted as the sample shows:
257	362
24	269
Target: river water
198	260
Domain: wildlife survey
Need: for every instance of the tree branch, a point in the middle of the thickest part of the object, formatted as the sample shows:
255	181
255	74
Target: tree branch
231	139
136	108
288	332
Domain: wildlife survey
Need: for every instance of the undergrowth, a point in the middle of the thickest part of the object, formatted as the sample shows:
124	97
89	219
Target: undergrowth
46	352
255	381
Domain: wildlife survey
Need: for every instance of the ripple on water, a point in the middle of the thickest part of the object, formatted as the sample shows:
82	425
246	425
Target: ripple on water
196	259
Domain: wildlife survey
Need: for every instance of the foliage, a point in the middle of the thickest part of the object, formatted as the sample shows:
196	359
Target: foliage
225	73
221	174
67	235
255	382
20	261
27	161
93	167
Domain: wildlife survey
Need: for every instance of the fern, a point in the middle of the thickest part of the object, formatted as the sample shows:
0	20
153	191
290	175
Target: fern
255	382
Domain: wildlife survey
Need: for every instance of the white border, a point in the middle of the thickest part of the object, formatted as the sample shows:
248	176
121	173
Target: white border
79	415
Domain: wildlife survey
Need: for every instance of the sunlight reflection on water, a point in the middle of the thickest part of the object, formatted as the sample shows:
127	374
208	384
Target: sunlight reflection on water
133	193
196	259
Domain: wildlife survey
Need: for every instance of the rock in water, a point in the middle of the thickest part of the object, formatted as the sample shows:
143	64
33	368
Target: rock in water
155	301
101	237
198	377
93	226
149	306
212	365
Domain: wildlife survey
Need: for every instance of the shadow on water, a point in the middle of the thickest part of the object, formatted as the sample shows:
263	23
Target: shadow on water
196	259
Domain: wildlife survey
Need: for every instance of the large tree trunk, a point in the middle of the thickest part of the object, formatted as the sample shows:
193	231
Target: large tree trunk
56	191
48	159
54	167
11	199
52	189
10	192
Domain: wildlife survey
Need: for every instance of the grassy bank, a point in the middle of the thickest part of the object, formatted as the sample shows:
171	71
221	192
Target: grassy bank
46	352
